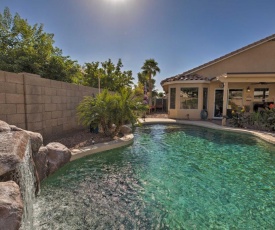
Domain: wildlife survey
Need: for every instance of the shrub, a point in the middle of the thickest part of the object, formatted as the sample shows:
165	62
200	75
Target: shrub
109	109
261	120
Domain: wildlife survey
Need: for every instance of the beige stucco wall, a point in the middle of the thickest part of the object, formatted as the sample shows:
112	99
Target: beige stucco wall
41	105
194	114
178	113
258	59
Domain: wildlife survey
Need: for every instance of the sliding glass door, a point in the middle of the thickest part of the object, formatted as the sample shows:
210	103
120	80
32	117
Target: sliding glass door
218	106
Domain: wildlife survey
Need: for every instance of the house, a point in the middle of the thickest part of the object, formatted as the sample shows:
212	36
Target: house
243	79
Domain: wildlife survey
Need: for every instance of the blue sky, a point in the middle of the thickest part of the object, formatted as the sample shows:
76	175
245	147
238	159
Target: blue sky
178	34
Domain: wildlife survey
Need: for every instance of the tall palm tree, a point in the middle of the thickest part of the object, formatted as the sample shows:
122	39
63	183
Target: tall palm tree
150	69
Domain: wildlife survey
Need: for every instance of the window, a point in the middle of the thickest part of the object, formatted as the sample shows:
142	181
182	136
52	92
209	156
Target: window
205	96
189	98
235	101
172	98
235	94
261	93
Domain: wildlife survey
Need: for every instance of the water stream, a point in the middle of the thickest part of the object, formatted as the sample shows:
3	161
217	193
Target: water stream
26	180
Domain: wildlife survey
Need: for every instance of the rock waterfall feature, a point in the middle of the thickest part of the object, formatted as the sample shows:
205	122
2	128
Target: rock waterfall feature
24	162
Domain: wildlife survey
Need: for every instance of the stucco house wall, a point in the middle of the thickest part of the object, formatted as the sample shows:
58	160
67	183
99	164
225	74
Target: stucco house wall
258	57
186	113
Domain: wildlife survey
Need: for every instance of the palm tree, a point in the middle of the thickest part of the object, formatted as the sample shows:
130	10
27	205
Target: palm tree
150	69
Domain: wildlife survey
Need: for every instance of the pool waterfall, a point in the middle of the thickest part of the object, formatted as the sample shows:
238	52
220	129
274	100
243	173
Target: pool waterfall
26	181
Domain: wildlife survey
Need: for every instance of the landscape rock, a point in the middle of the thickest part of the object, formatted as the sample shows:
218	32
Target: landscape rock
4	127
11	207
12	150
41	162
125	130
36	140
57	156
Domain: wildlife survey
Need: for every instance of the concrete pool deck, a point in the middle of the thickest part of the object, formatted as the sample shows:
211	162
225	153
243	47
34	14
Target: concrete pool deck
267	136
100	147
129	139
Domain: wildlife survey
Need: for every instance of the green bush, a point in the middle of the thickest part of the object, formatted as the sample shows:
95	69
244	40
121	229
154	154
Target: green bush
262	120
108	109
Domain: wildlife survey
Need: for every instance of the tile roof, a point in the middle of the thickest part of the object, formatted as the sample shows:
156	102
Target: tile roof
190	77
187	73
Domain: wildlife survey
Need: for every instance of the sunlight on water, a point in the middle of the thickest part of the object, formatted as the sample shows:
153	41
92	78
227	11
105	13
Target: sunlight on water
172	177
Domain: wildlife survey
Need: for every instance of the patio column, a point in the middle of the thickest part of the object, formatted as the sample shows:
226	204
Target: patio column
225	100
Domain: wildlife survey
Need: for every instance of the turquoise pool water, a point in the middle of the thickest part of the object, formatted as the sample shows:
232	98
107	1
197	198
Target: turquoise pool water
172	177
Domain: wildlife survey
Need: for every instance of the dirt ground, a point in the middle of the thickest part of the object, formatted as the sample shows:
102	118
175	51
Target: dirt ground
78	139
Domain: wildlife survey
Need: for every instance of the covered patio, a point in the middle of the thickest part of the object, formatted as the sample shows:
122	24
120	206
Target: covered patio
259	89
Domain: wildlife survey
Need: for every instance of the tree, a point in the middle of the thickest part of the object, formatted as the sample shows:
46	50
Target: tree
26	48
150	69
111	76
143	79
107	109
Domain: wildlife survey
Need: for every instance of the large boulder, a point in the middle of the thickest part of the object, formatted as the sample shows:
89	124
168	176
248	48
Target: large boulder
41	162
36	140
4	126
12	150
11	207
58	155
124	129
15	128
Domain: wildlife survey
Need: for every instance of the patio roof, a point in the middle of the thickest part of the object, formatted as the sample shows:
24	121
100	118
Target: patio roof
248	77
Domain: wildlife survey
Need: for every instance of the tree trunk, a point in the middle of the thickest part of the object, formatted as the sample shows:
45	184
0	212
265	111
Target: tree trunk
150	90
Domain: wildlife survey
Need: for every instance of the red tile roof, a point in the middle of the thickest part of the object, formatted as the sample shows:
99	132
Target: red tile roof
190	77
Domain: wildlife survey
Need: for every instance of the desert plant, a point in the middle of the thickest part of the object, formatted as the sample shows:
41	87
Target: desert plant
110	109
261	120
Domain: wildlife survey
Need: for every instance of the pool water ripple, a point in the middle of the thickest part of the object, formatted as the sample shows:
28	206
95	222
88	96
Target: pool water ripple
172	177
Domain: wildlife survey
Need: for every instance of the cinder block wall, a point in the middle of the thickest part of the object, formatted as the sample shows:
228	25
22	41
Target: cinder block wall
41	105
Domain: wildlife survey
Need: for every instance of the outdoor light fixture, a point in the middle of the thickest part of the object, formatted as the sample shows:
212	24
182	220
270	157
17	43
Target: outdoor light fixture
248	89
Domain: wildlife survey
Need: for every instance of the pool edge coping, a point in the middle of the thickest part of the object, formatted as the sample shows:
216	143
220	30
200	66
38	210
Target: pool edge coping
129	139
100	147
262	135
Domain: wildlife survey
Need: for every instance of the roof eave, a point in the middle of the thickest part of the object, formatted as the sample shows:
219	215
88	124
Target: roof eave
186	82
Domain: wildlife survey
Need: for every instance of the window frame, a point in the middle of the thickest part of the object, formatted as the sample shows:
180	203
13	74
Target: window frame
172	98
193	99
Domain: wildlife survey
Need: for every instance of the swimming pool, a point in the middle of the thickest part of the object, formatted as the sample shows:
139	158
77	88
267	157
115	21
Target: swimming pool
172	177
